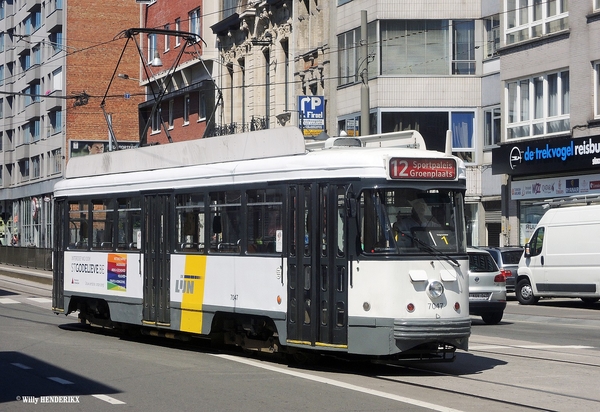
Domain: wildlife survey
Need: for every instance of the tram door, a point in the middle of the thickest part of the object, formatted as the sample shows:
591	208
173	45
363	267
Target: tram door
317	266
157	259
60	228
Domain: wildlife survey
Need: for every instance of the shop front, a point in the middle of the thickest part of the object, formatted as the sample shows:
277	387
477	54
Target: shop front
547	170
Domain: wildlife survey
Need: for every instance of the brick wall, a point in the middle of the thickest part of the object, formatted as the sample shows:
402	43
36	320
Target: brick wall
92	57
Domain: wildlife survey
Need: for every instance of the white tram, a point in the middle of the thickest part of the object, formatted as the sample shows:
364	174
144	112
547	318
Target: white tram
352	245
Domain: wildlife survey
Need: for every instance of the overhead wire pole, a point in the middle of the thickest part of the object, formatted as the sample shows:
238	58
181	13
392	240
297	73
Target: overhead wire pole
190	38
364	74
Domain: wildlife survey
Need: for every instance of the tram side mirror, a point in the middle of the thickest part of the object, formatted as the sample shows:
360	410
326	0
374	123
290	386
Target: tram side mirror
351	207
216	224
527	251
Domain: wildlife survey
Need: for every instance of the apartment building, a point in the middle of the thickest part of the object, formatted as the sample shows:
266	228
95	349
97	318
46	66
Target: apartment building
56	62
181	94
432	67
550	145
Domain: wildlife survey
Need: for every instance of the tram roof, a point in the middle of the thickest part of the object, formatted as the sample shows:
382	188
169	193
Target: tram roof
262	144
272	155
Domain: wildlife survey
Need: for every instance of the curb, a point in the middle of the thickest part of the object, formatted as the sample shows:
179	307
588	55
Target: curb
33	275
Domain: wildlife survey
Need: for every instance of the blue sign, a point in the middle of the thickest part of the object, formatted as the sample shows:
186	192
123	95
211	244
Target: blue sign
312	114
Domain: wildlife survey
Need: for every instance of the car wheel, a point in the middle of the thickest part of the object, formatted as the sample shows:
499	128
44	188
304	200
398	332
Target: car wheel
590	301
524	293
492	318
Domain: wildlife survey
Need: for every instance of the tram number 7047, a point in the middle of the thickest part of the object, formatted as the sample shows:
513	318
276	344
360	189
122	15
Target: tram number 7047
434	306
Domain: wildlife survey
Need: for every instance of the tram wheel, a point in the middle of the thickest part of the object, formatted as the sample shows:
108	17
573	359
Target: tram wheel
524	293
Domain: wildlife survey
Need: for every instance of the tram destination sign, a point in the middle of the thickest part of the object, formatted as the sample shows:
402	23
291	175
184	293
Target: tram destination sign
422	169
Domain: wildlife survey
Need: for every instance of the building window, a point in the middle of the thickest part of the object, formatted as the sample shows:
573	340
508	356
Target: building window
492	36
1	75
32	94
36	166
56	40
57	80
1	115
33	22
202	107
462	135
25	61
37	54
171	114
24	168
55	121
528	19
424	47
156	120
538	106
597	88
186	109
348	55
194	17
463	47
596	4
32	131
152	47
56	159
229	8
492	124
1	41
167	39
177	28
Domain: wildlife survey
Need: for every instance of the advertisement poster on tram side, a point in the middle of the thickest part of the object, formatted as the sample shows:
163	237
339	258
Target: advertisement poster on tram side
103	273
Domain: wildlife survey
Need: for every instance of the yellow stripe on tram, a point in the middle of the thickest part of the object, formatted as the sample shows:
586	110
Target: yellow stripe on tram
194	277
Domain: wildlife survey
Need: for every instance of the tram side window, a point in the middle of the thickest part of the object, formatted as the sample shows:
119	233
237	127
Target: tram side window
190	223
102	224
78	225
130	223
265	209
225	219
341	213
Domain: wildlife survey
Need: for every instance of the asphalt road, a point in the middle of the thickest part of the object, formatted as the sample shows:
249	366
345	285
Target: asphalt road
539	358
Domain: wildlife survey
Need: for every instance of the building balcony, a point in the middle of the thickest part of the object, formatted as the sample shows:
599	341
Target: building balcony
33	4
22	152
54	20
53	102
9	157
33	73
33	110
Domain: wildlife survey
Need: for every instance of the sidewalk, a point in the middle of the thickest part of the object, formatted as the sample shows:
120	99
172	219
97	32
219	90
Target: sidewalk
34	275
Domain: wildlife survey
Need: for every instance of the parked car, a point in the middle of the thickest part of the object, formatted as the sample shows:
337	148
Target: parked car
507	258
487	287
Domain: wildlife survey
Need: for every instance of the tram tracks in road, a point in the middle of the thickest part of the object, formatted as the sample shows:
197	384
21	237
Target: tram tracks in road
25	288
521	391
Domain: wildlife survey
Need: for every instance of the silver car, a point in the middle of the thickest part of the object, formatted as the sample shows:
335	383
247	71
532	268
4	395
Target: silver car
507	258
487	287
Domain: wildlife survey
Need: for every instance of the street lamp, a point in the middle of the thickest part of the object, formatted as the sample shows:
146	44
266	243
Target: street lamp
126	77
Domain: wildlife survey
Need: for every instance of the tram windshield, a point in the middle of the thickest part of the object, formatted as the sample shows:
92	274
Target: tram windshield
412	221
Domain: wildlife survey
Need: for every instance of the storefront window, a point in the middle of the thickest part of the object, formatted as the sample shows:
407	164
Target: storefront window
530	215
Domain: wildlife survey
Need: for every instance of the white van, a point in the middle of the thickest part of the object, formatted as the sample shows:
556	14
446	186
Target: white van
562	258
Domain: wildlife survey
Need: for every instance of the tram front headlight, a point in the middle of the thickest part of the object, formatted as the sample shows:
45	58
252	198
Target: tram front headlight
435	289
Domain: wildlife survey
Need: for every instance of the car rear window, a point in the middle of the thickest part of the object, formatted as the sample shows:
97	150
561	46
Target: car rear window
511	257
482	262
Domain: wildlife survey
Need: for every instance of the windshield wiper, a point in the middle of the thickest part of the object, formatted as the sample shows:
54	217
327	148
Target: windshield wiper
433	251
